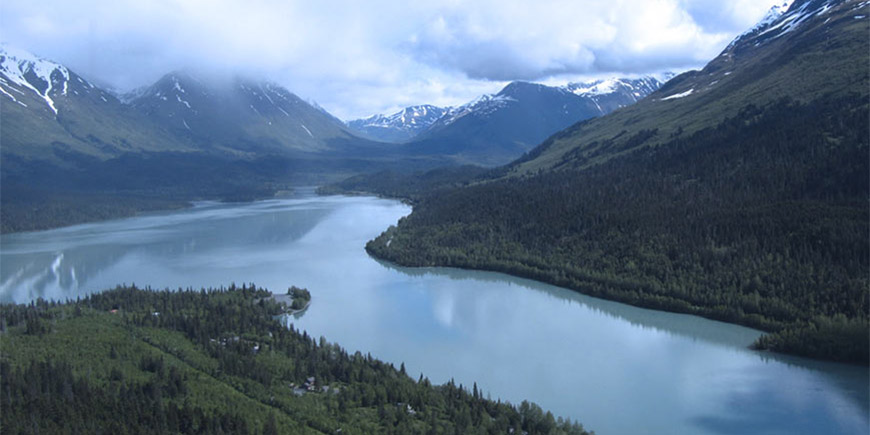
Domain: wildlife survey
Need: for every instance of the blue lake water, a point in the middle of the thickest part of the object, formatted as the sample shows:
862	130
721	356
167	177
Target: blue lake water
615	368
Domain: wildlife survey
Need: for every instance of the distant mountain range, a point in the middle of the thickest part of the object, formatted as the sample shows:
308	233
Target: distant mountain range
495	129
55	110
400	126
49	111
186	137
72	151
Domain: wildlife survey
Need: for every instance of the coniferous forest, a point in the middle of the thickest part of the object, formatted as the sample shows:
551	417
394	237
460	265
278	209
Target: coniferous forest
761	221
132	361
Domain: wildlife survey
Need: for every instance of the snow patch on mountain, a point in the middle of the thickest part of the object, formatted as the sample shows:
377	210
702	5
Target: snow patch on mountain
399	126
772	15
483	105
679	95
782	19
409	118
17	65
635	89
598	87
10	95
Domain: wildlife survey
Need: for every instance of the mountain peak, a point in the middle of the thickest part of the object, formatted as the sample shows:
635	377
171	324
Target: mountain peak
32	72
400	126
613	85
520	86
784	18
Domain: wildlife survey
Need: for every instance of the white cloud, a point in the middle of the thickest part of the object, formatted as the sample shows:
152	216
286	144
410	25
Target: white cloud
357	58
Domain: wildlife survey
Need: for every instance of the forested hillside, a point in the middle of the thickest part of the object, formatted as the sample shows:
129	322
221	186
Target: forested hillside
409	187
217	361
754	214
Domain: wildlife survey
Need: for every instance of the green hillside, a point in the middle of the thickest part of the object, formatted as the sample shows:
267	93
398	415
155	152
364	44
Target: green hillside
89	122
142	361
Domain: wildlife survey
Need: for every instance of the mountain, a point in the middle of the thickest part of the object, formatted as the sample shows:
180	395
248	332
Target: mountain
400	126
73	152
240	117
737	192
770	62
611	94
49	111
495	129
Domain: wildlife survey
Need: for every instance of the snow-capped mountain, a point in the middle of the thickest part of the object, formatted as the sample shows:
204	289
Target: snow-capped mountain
43	77
49	109
400	126
772	15
756	51
495	129
49	113
782	19
25	76
801	51
611	94
591	98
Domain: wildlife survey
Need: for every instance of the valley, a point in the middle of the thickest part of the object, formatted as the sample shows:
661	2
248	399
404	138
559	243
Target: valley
521	221
453	326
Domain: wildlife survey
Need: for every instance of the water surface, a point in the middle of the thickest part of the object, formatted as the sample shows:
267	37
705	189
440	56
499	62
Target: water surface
618	369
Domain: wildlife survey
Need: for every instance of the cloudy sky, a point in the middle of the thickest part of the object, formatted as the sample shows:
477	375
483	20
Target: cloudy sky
356	58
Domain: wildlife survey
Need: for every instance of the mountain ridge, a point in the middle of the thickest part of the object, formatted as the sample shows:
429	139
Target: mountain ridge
695	99
64	138
496	128
399	126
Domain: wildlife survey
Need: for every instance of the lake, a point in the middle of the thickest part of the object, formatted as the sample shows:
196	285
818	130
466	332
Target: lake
615	368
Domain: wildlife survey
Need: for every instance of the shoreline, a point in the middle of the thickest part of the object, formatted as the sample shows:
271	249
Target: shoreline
159	206
689	310
286	301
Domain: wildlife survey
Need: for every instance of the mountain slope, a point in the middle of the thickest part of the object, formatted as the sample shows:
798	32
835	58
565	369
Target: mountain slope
400	126
72	152
611	94
812	51
242	116
495	129
738	192
49	111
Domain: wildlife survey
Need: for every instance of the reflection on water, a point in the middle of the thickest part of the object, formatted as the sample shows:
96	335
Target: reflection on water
850	380
74	261
684	325
617	368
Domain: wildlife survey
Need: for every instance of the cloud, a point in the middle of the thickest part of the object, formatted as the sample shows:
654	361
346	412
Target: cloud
494	40
357	58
